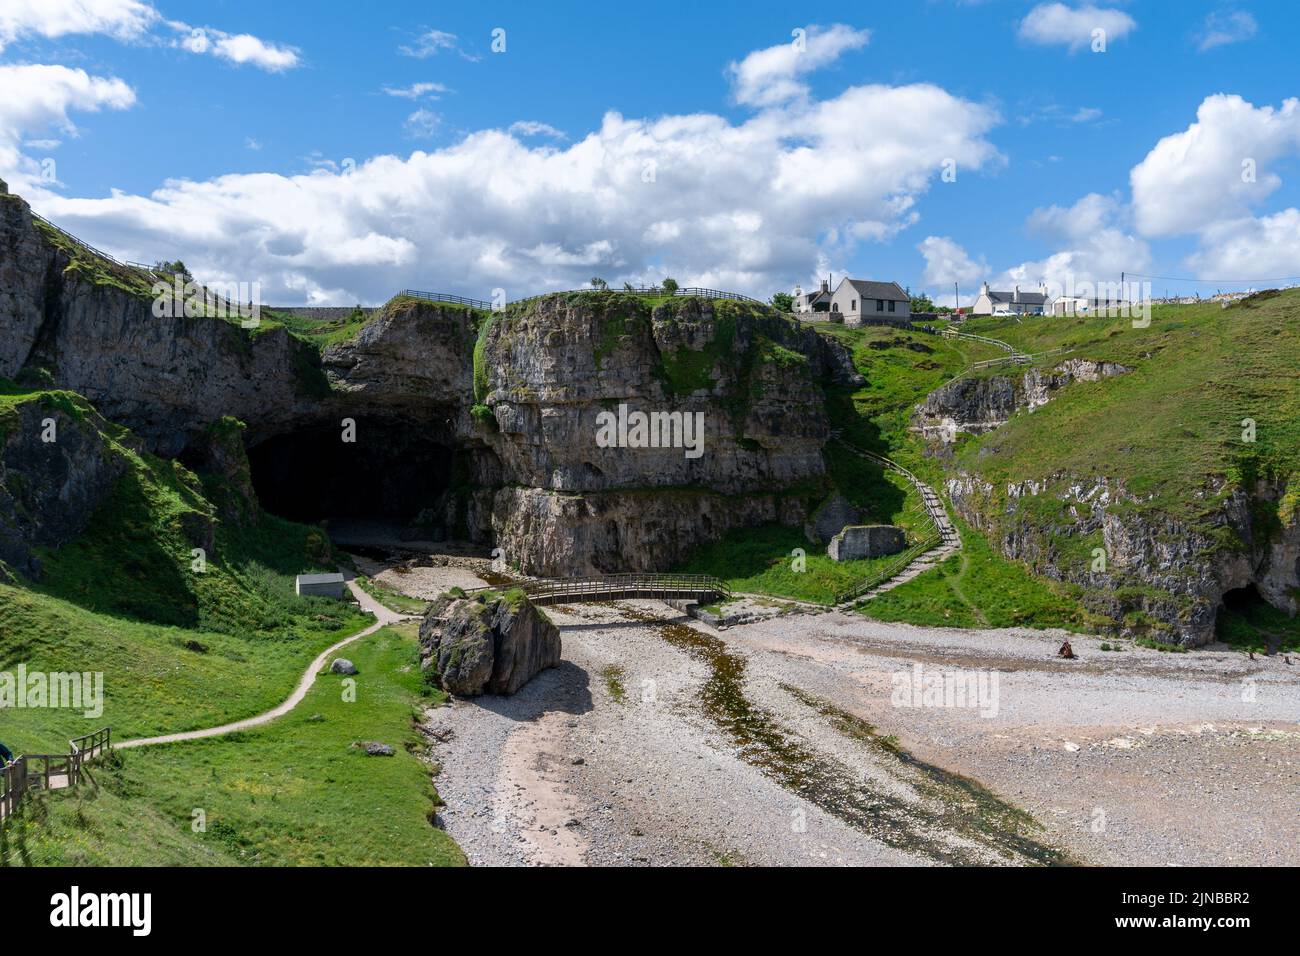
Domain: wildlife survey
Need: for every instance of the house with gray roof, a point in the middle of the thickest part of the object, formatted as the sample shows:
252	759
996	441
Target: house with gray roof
989	302
865	301
819	300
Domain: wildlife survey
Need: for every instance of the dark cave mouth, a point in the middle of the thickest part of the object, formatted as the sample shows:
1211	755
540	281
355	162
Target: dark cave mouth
392	470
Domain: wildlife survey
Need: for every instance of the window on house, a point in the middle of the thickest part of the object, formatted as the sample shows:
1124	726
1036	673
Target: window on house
835	306
892	303
853	305
880	305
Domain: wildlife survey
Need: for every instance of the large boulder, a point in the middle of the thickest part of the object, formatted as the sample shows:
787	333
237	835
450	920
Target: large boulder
491	643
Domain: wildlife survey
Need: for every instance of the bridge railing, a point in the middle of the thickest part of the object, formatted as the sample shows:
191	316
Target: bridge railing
647	585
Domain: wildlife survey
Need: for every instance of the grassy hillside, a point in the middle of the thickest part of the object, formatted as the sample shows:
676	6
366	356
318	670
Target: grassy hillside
179	648
977	588
1176	420
294	792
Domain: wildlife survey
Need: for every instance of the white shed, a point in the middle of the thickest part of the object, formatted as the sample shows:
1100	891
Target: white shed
320	585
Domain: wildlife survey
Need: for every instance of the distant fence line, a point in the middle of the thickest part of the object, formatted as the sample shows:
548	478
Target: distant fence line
690	292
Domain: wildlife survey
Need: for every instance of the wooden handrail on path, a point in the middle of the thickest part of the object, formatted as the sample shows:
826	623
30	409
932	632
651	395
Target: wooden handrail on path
30	772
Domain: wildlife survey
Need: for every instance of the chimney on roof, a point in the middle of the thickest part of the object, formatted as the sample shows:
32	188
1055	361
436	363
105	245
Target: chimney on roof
1015	296
984	288
826	284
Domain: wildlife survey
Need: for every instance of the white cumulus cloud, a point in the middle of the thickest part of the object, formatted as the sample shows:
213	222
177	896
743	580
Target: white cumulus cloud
771	76
748	205
1056	24
1218	168
38	98
124	19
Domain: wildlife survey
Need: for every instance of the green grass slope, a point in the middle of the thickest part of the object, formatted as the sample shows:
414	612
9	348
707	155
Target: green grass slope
293	792
178	648
1176	420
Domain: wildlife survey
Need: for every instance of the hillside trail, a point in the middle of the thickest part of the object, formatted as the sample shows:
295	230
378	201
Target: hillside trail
383	618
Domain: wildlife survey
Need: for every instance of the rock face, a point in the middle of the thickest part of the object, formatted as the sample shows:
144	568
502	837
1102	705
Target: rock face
517	399
978	405
49	490
1163	576
486	644
866	541
831	517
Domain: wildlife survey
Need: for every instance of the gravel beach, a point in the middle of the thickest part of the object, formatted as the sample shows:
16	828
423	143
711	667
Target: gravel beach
659	741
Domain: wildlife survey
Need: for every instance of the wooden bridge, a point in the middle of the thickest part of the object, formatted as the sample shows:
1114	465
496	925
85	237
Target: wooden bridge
49	771
625	587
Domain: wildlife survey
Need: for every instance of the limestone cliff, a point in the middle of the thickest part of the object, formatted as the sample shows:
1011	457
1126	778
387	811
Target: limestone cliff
1150	572
515	398
979	404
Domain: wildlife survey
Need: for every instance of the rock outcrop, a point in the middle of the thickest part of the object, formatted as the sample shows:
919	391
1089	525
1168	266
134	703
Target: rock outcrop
976	405
56	467
489	644
516	398
1150	573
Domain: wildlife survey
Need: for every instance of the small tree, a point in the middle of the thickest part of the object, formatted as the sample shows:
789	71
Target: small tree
670	285
598	283
923	303
783	302
173	268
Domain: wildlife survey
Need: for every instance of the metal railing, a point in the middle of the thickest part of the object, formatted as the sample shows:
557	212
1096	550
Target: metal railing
951	333
653	291
448	298
30	772
940	530
891	570
628	586
85	245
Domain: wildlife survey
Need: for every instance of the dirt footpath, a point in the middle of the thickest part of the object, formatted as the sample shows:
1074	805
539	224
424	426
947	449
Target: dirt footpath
796	740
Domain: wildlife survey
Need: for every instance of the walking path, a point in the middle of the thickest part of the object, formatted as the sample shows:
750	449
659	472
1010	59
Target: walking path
383	617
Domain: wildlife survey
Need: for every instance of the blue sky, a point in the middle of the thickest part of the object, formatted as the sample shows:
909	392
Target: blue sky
237	161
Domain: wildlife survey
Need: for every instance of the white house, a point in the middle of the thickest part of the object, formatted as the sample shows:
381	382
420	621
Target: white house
1015	302
866	301
819	300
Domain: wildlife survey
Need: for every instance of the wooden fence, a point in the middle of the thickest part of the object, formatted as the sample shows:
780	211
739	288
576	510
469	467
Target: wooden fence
31	772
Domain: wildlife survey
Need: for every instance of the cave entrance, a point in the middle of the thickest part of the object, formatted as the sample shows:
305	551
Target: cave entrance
1246	620
1243	602
394	469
